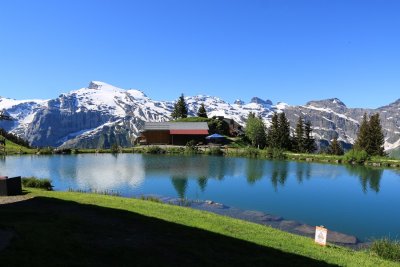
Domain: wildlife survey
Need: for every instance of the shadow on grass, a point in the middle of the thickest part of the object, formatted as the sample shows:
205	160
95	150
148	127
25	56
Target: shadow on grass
55	232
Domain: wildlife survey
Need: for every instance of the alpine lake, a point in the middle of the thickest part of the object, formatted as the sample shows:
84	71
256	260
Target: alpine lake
354	200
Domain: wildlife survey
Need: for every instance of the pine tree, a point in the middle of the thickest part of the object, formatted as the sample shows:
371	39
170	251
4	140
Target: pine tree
180	108
370	136
309	141
299	141
273	139
362	136
376	137
202	111
284	132
335	148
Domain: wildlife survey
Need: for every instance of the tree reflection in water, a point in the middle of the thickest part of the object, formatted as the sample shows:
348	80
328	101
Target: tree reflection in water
202	182
180	184
367	176
279	173
254	170
303	170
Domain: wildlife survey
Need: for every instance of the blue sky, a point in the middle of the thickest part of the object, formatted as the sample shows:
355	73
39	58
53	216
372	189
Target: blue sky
284	50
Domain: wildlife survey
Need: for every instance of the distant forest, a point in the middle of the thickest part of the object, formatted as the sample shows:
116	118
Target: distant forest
13	138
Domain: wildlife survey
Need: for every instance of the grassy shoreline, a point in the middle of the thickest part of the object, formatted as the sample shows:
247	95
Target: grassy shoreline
234	152
61	212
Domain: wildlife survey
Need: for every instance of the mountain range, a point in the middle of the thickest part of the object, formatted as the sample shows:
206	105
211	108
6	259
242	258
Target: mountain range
101	114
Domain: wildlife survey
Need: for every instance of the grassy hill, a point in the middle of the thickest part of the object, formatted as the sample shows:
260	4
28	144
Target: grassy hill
76	229
12	148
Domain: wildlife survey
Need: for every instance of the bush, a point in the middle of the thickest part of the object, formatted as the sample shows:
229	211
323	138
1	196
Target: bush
155	150
214	151
356	156
275	153
46	151
37	183
252	152
386	249
191	147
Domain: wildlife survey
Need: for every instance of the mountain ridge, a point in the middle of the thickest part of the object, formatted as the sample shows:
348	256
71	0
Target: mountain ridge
101	114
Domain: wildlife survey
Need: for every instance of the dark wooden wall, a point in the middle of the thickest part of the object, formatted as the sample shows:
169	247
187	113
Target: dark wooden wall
157	137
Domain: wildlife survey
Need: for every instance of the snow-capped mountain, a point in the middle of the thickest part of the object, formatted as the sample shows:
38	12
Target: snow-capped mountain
101	114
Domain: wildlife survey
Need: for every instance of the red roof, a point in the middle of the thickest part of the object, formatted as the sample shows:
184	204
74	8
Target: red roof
192	132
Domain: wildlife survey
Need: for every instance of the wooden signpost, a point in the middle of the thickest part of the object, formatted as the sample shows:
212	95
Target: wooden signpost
321	234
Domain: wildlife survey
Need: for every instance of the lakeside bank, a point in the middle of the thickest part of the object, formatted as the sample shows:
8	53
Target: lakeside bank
70	223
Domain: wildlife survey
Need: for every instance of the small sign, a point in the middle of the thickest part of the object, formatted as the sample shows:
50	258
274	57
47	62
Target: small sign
320	235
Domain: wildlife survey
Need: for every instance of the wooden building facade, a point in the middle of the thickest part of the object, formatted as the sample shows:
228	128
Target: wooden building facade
173	133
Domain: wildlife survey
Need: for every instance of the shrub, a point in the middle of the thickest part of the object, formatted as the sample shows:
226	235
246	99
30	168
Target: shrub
114	148
46	151
191	147
387	249
252	152
275	153
155	150
37	183
214	151
356	156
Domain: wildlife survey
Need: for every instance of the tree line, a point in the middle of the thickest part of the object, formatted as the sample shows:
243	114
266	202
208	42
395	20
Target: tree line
278	135
13	138
370	136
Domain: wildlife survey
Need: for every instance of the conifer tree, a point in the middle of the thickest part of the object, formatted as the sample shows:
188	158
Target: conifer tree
376	137
202	111
273	139
309	141
180	108
335	148
284	132
362	136
299	141
370	136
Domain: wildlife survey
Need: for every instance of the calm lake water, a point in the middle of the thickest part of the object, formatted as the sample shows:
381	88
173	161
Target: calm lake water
354	200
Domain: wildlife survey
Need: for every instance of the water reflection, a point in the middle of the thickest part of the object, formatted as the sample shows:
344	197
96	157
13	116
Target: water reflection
180	184
254	170
126	172
202	182
302	170
110	172
368	177
279	173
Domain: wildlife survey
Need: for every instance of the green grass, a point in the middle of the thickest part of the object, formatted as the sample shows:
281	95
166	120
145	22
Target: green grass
387	249
69	228
34	182
12	148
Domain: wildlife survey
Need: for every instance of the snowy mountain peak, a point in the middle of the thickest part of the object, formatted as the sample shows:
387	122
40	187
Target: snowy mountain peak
97	85
258	100
331	103
102	114
239	102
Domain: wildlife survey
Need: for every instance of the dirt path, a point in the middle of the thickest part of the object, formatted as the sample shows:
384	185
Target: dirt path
13	199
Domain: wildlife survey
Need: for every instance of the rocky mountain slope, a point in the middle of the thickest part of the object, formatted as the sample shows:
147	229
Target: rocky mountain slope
101	114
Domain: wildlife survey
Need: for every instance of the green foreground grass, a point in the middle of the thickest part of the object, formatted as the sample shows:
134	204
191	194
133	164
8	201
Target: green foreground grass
69	229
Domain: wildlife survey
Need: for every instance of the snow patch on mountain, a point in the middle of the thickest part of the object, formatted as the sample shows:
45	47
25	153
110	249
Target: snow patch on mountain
101	114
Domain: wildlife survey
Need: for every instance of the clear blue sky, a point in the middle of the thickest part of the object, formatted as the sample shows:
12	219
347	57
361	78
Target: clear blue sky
291	51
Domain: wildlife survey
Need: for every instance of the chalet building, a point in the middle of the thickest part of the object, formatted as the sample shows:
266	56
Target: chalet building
235	129
173	133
